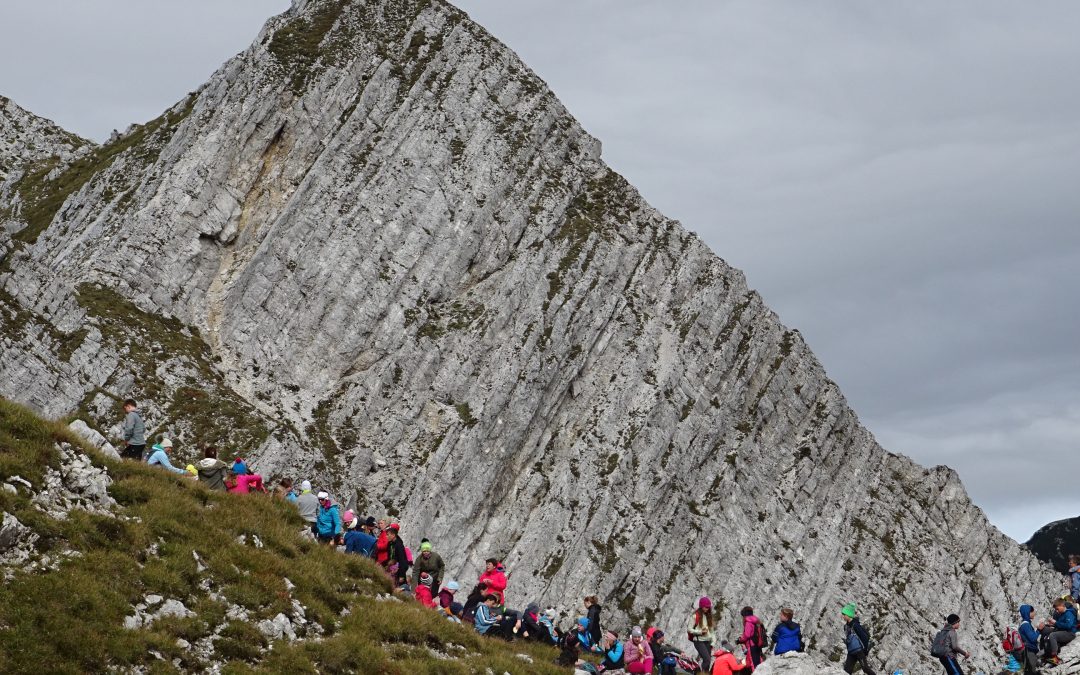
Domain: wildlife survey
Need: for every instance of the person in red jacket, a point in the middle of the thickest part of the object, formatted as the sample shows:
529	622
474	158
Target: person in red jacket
382	546
725	663
494	579
423	591
751	637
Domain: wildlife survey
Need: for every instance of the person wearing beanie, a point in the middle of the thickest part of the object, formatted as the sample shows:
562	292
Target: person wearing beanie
725	663
160	456
446	593
430	562
857	641
422	591
581	632
571	642
360	540
752	637
307	504
946	646
239	466
700	631
664	654
639	654
549	633
612	651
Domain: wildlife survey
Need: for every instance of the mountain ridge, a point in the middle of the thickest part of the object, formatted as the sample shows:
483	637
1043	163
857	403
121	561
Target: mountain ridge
376	237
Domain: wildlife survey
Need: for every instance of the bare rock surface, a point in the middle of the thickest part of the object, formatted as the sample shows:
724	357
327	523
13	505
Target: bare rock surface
376	251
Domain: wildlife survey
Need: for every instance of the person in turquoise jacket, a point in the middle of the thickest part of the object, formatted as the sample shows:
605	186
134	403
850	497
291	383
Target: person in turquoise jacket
160	456
327	520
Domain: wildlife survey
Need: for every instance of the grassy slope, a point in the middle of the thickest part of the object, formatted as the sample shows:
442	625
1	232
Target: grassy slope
70	619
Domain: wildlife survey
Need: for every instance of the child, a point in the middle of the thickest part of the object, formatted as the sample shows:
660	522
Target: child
423	591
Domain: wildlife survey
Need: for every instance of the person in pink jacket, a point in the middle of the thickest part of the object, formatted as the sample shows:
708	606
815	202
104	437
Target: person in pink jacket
245	483
753	630
494	579
638	656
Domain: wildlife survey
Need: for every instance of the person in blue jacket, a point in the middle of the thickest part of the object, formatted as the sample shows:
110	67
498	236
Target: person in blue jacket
1030	636
160	456
584	638
787	636
612	650
327	520
1059	631
360	539
1074	577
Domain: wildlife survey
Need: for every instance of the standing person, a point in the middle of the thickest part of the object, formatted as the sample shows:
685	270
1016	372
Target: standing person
1058	631
726	663
382	545
592	613
212	470
1029	659
327	520
639	654
857	641
787	636
428	561
160	456
753	637
494	579
701	630
946	646
398	562
307	504
134	431
1074	577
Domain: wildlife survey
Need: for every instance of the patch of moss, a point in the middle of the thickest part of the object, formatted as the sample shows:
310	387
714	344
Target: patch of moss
465	414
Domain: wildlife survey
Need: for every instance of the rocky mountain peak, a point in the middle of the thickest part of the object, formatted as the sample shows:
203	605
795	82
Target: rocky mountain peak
26	138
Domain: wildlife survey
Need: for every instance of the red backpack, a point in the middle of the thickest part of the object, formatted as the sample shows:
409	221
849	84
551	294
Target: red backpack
1012	642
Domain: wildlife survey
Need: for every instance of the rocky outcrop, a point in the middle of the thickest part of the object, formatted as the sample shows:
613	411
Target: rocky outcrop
1055	542
26	138
794	663
94	438
375	250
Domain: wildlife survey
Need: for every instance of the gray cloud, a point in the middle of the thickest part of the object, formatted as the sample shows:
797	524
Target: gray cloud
896	179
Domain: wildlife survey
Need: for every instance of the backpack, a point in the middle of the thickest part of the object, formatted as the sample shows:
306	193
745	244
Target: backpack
761	638
854	643
1012	642
940	646
408	555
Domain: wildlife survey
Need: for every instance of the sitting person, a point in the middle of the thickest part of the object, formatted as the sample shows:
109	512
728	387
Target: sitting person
725	663
664	654
611	649
446	594
212	470
549	633
239	467
454	611
489	621
570	645
244	483
423	591
359	540
1058	631
284	490
787	636
639	655
581	632
160	456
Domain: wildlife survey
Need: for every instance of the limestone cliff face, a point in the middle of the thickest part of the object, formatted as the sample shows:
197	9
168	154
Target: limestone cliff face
376	249
26	138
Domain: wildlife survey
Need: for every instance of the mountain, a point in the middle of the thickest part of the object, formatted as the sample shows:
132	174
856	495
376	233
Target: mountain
27	138
1055	542
374	249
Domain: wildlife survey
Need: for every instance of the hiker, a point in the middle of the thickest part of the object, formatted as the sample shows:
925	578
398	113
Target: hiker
327	520
1074	576
856	640
612	651
239	467
787	636
134	432
422	590
581	632
1030	636
307	505
488	620
1058	631
283	490
360	540
570	645
639	654
700	631
212	470
454	612
664	654
382	545
160	456
753	637
494	579
946	646
549	633
446	593
430	562
398	562
726	663
592	613
246	483
528	624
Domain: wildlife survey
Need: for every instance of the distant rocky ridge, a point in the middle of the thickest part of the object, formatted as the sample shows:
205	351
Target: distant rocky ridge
375	249
1055	542
25	138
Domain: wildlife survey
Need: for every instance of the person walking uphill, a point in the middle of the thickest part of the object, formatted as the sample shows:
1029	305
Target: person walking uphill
428	561
946	646
133	431
700	631
857	641
787	636
753	637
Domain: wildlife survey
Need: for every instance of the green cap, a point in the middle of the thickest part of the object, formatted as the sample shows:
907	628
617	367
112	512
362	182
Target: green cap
849	610
426	546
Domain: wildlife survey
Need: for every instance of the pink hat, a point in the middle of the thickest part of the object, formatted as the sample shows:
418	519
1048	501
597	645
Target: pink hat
704	602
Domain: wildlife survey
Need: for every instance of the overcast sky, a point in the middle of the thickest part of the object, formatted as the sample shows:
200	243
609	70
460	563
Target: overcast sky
899	180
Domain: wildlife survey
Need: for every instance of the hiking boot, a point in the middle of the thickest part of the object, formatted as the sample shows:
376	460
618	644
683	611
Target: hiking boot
1052	661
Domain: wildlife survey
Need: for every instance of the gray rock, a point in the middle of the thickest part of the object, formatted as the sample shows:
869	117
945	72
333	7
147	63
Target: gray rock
95	438
277	628
172	607
794	663
153	600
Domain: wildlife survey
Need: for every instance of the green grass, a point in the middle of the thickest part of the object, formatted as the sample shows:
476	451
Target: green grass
70	620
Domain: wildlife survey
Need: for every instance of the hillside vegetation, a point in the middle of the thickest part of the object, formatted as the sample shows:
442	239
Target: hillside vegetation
232	560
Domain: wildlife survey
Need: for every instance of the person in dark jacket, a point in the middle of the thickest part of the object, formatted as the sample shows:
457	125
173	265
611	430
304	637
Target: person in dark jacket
399	560
857	641
953	651
664	655
592	613
212	470
1030	636
787	636
1059	631
428	561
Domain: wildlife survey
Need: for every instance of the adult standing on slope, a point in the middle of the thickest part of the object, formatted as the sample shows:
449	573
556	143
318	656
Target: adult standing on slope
133	431
857	641
752	637
946	646
592	613
700	631
429	561
307	504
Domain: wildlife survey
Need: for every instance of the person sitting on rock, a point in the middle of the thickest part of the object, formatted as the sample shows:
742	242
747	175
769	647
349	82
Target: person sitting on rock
422	591
570	645
327	520
428	561
446	594
787	636
856	640
1058	631
454	612
160	456
494	579
751	637
212	470
665	655
359	540
1029	658
725	663
639	654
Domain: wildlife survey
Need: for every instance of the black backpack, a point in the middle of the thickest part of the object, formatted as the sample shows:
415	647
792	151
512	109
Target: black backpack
940	646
